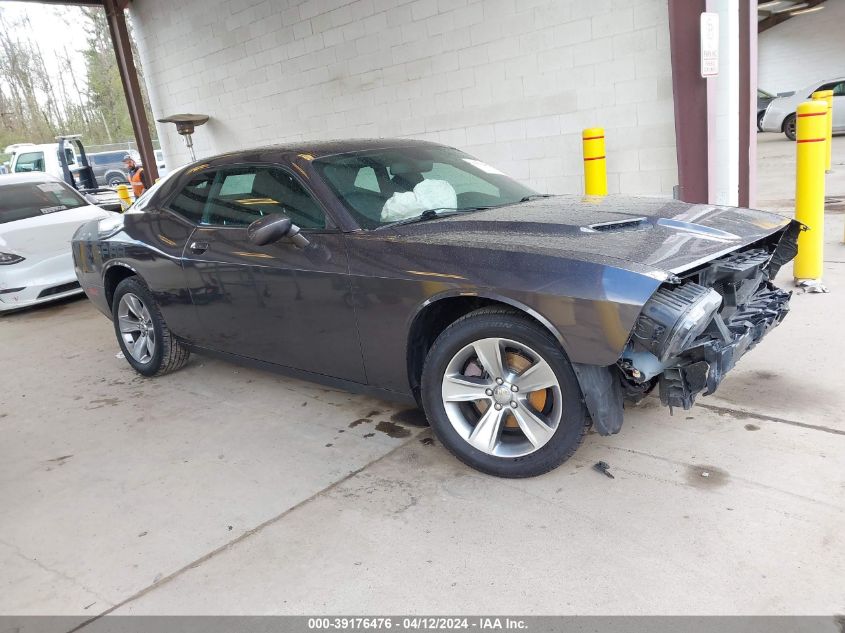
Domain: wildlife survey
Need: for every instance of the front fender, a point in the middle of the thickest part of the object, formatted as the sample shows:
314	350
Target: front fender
489	295
601	390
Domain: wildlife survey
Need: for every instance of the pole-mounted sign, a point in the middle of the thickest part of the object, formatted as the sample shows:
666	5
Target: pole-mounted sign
709	44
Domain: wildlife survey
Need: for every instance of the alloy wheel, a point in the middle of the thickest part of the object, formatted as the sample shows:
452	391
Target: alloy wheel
136	327
502	397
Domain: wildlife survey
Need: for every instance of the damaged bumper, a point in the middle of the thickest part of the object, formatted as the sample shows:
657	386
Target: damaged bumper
679	384
691	333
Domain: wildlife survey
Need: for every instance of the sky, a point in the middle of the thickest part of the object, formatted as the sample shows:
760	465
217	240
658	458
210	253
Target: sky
54	29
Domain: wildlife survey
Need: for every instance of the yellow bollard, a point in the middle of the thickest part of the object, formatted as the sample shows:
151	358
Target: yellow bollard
827	95
811	135
123	194
595	165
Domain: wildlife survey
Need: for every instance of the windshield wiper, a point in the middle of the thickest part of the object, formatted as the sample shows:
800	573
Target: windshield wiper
534	196
432	214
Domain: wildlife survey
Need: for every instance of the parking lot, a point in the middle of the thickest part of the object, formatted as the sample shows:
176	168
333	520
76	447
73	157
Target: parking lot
227	490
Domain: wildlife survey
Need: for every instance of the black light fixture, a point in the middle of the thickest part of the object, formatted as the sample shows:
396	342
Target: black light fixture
185	124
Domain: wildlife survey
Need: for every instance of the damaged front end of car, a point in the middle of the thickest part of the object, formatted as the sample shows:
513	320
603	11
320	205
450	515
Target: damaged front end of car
697	326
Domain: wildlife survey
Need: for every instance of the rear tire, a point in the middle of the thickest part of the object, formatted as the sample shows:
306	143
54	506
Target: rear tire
533	428
142	333
789	127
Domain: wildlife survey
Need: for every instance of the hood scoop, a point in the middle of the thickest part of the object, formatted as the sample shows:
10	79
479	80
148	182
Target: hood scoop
615	225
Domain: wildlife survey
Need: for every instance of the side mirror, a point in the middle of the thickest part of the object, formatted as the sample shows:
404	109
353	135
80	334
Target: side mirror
271	228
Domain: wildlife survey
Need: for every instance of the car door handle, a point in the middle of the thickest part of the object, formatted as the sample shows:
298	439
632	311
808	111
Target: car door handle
198	248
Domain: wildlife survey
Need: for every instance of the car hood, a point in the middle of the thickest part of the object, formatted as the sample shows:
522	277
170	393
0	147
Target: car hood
46	234
658	233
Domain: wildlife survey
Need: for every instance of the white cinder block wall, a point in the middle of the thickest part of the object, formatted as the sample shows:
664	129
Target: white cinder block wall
511	81
803	49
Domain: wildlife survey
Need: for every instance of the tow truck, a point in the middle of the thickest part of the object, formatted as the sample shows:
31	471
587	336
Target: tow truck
67	160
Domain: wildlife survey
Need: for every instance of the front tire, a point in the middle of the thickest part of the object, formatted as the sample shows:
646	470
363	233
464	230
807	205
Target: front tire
789	127
142	333
500	394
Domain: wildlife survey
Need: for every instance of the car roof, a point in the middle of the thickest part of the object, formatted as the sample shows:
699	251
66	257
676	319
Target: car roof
22	177
825	81
314	149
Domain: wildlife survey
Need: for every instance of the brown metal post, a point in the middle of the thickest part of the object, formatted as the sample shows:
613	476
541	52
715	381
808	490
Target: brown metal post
690	95
131	87
747	101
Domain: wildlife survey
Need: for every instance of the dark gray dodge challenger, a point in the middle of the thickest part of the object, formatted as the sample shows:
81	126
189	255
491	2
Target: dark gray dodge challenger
411	270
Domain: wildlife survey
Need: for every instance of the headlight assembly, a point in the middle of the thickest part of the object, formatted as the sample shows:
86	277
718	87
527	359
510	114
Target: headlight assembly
674	317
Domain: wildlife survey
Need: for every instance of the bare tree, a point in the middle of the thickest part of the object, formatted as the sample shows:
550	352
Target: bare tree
36	103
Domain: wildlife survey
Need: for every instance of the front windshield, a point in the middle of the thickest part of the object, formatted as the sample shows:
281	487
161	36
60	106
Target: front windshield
31	199
384	186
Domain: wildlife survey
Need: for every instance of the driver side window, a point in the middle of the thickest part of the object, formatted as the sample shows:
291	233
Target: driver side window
838	88
241	195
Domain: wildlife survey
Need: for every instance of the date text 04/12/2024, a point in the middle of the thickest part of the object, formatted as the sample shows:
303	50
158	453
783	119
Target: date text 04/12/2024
419	623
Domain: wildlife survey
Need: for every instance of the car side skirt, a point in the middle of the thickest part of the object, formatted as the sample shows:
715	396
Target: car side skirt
327	381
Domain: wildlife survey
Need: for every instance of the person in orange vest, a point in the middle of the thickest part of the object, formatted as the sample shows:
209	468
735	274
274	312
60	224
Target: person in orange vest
135	173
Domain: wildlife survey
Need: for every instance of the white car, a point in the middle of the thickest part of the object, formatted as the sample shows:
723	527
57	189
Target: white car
38	216
780	114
